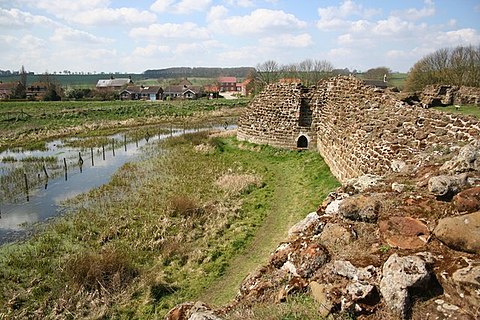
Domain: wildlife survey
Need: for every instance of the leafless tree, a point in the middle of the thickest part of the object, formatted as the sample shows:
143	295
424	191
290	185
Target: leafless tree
268	72
454	66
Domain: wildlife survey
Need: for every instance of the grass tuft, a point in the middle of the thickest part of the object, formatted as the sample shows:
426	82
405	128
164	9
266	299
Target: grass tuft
106	272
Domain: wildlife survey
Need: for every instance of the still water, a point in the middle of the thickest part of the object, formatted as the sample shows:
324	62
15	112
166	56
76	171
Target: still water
43	202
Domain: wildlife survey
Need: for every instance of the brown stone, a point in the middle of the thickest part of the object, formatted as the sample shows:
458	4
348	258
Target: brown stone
404	232
467	200
460	232
335	236
319	292
179	312
360	207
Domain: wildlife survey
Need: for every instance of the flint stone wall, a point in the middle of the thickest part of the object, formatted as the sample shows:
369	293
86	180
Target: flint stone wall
357	129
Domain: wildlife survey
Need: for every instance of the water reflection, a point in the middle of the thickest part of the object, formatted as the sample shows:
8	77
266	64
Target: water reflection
44	200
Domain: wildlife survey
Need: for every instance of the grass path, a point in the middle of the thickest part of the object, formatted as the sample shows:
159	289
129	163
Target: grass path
287	209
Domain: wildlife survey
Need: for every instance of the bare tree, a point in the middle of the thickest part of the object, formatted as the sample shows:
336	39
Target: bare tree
268	72
455	66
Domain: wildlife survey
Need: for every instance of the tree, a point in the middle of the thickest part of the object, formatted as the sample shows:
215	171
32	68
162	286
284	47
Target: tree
54	90
453	66
378	73
20	89
268	72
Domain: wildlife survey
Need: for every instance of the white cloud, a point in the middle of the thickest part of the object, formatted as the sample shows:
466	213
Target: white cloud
466	36
62	8
161	5
241	3
339	52
217	13
150	50
66	34
170	30
416	14
338	17
114	16
415	53
15	18
288	41
394	26
259	21
180	7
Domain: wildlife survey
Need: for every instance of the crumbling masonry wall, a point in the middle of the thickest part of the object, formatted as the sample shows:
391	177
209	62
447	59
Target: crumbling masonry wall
274	117
358	129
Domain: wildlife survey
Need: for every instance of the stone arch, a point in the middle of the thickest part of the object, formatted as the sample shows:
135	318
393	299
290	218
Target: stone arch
302	142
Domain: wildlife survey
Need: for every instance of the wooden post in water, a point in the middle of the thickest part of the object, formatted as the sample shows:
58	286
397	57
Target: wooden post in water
171	130
113	147
147	137
80	162
26	185
125	142
91	153
65	168
45	171
103	151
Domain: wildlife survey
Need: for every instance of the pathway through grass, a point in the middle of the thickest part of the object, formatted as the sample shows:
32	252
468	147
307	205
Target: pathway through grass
291	200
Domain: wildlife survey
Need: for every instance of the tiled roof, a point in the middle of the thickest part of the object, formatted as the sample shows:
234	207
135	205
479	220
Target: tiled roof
227	79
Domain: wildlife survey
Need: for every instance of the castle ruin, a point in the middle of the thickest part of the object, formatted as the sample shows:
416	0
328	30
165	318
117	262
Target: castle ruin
357	129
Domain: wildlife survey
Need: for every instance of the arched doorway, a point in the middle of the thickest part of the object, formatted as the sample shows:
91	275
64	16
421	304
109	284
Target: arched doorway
302	142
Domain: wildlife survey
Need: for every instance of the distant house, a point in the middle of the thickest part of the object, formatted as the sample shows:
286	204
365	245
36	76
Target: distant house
183	90
37	90
244	87
227	84
151	93
7	90
113	84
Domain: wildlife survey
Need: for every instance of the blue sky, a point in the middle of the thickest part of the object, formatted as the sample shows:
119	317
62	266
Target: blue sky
132	36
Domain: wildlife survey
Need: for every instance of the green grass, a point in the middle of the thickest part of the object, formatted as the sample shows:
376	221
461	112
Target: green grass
472	110
25	123
169	227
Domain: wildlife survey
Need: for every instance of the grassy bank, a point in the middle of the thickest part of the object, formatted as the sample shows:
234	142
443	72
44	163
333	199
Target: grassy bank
163	231
30	123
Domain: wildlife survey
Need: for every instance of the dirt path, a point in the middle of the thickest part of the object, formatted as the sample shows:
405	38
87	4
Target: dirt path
282	215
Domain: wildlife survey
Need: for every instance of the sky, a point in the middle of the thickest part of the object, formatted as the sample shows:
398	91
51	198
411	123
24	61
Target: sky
133	36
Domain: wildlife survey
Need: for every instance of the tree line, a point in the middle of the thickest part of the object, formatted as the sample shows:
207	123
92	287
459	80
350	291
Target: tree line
197	72
458	66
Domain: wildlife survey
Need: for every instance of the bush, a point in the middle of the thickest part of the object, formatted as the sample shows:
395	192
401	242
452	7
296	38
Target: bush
184	205
110	270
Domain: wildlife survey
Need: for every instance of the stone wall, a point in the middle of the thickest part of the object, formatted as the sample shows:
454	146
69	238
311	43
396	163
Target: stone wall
278	116
443	95
356	128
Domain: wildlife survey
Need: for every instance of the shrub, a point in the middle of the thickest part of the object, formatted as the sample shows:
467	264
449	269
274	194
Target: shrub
184	205
111	270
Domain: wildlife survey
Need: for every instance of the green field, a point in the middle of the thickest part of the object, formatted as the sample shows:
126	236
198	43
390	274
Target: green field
471	110
26	123
163	231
